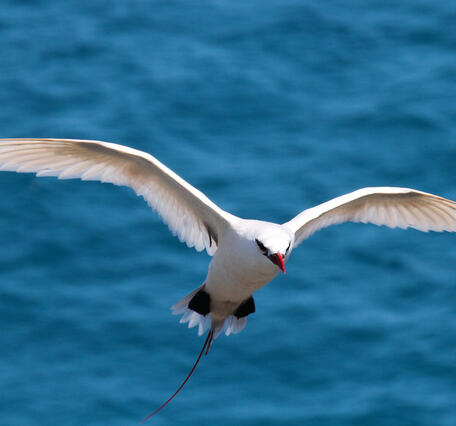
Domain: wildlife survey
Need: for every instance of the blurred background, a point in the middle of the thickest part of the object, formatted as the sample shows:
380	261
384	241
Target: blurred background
268	107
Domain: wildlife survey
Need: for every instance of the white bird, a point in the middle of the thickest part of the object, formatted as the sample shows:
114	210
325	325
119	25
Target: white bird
247	254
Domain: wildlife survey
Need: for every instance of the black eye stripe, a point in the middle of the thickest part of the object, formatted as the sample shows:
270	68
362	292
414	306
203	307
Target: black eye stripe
261	246
288	248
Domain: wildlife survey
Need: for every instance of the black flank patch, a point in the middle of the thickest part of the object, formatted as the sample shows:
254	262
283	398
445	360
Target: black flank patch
245	308
201	303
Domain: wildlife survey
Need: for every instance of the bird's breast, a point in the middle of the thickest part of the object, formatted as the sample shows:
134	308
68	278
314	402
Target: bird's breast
232	277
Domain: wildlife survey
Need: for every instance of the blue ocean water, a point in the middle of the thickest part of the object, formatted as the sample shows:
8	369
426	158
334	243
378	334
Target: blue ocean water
268	107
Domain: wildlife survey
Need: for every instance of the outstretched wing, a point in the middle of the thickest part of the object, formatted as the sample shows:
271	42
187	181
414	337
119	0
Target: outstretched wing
393	207
189	213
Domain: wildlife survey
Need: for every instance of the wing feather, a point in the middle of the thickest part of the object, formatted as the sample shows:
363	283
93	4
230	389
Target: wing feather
389	206
189	214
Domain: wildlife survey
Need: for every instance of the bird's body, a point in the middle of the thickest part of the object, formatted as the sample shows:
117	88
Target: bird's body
247	254
236	272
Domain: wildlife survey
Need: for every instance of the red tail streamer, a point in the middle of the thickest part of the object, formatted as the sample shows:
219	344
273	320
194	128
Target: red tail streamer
206	343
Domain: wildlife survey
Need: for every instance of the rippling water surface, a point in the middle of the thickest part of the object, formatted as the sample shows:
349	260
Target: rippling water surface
268	107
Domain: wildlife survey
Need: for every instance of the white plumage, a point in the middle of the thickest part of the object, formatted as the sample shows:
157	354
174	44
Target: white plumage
393	207
188	213
247	254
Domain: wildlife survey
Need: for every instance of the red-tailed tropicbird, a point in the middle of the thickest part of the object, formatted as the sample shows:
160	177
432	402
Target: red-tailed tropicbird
247	254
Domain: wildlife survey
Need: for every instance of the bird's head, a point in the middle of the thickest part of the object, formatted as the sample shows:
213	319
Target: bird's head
276	245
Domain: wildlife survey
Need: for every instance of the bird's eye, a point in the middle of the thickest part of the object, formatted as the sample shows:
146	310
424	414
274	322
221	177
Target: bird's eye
288	248
261	246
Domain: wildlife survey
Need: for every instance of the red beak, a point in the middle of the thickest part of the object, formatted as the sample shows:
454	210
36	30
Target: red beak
278	260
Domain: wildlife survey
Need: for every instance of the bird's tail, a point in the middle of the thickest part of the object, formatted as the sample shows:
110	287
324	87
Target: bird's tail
230	325
206	347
